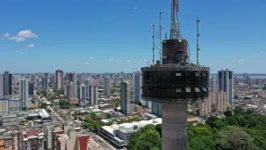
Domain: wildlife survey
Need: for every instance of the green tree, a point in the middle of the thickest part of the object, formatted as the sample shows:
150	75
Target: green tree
202	143
116	102
228	113
148	140
64	104
234	138
239	111
215	122
158	128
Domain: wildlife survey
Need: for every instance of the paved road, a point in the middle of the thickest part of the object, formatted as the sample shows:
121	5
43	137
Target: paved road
95	142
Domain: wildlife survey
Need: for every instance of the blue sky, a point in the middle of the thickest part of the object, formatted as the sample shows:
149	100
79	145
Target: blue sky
115	35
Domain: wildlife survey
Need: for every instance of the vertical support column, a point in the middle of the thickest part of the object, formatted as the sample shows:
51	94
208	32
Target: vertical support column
174	126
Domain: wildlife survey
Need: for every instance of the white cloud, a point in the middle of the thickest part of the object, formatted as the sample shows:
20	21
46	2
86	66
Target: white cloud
86	63
128	61
92	57
241	60
30	45
6	34
23	35
111	59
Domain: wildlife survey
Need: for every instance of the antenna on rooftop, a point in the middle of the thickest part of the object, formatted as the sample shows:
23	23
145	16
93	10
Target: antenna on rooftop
198	35
161	27
153	44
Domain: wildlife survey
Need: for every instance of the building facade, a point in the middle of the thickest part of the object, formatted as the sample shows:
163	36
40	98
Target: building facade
24	94
156	109
225	84
82	95
125	98
59	79
31	89
107	87
137	87
7	85
93	94
44	83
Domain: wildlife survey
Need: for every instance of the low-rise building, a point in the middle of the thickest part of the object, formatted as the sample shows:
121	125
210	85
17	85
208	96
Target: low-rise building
10	120
120	134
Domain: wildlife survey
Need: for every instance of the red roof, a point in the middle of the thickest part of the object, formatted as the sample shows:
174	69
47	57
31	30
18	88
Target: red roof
32	133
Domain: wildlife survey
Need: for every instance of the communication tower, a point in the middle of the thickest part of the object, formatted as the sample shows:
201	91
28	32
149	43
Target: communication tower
174	83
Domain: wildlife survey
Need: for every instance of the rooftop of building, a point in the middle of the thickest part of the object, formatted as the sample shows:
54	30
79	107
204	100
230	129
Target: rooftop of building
131	127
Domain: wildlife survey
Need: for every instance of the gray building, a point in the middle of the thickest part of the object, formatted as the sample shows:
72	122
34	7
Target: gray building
225	84
23	94
137	87
156	109
212	85
87	87
94	94
70	91
1	86
125	97
31	89
82	95
7	80
107	87
44	83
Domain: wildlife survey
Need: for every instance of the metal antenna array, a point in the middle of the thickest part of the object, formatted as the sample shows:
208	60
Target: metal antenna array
161	27
198	35
153	44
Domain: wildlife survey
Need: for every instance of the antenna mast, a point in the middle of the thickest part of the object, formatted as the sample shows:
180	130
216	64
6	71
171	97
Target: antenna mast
153	44
174	31
198	35
161	37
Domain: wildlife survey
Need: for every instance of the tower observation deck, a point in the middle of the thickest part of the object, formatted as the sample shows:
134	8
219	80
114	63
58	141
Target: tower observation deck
174	83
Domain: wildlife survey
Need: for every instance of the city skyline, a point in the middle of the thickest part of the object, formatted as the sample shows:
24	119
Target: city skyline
92	37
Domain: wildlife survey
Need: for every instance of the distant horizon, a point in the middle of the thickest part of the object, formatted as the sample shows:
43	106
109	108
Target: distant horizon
238	74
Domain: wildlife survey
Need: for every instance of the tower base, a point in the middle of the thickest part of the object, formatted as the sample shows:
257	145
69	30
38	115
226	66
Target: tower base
174	126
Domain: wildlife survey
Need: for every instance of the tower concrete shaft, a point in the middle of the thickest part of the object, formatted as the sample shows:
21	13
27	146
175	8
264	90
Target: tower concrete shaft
174	127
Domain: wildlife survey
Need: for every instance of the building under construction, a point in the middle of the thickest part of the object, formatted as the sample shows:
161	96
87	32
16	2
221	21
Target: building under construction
174	82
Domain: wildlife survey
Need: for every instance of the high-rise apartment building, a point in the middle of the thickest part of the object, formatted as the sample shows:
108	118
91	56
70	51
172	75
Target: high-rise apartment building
82	95
156	109
212	85
70	91
4	105
7	83
107	87
23	94
59	79
1	86
48	137
87	87
137	87
125	97
93	94
44	83
33	78
72	77
225	83
31	89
